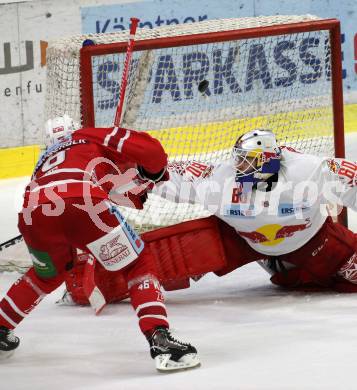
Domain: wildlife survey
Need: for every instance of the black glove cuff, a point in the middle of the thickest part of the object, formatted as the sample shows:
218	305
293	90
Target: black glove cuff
145	175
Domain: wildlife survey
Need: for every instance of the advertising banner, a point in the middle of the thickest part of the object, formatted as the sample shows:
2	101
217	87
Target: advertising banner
26	27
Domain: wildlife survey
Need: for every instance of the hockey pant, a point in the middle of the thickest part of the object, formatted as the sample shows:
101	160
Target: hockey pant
52	240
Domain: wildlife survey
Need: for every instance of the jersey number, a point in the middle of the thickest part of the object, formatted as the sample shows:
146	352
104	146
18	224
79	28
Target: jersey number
53	161
348	169
196	169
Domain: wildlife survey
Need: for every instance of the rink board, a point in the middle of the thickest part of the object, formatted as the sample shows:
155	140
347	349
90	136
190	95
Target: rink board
20	161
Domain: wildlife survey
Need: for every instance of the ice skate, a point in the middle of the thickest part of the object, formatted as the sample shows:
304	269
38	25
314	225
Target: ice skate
8	342
171	354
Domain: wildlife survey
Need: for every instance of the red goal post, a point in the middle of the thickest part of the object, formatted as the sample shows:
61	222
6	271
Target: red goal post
280	72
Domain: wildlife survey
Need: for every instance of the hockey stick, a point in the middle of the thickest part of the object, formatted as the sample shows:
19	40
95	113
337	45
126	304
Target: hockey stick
95	296
127	62
11	242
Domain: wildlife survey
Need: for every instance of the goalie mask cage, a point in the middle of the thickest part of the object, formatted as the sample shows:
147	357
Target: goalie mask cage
196	87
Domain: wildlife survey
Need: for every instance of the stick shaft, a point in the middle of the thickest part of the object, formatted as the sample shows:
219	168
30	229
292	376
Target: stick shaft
10	242
124	79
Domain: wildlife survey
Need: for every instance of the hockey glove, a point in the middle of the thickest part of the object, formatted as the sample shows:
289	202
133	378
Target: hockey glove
163	175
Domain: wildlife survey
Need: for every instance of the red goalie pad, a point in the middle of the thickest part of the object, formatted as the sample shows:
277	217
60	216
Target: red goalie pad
188	249
193	248
179	252
86	274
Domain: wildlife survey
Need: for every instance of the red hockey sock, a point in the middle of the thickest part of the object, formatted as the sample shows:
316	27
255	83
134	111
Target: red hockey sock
148	302
23	296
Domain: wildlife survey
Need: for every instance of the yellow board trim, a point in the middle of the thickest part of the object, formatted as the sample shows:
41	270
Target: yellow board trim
350	116
202	138
20	161
16	162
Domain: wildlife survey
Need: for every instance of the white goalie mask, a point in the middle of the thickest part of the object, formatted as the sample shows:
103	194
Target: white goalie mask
58	128
256	155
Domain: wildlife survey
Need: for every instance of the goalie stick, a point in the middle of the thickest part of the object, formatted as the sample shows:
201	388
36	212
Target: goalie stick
124	79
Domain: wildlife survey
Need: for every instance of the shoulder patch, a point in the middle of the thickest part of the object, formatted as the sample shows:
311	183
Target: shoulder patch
191	169
333	165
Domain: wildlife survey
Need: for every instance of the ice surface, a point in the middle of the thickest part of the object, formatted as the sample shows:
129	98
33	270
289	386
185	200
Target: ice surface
250	335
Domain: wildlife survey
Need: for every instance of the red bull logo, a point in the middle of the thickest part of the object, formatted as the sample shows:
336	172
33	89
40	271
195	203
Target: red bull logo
274	234
333	166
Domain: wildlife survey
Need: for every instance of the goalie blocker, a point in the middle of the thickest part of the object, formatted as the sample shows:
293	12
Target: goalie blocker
193	248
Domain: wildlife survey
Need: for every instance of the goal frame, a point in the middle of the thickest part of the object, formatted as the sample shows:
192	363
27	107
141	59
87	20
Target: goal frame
332	25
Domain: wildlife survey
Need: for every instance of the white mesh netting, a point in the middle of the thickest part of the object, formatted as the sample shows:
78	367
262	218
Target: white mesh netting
278	82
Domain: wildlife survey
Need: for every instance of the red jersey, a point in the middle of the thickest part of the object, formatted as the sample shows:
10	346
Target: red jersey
87	158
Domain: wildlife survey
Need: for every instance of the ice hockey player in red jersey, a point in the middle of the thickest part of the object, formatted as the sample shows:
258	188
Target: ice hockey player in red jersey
67	206
271	204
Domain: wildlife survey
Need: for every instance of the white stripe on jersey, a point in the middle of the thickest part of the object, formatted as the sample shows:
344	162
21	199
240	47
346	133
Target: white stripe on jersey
8	319
148	304
154	316
14	307
35	288
65	170
112	134
122	140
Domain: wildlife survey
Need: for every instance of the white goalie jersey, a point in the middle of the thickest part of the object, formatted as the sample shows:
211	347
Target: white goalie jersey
274	218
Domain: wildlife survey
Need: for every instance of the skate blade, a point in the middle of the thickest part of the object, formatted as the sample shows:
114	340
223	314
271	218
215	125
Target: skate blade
6	354
165	364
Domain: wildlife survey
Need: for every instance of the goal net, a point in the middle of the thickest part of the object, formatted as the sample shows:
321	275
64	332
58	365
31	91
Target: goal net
197	87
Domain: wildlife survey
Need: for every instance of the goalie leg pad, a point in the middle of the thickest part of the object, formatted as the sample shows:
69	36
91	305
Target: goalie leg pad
237	251
325	254
188	249
75	279
175	253
327	261
88	277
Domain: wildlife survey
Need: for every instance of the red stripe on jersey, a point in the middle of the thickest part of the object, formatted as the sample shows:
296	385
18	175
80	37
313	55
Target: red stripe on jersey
148	324
116	137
